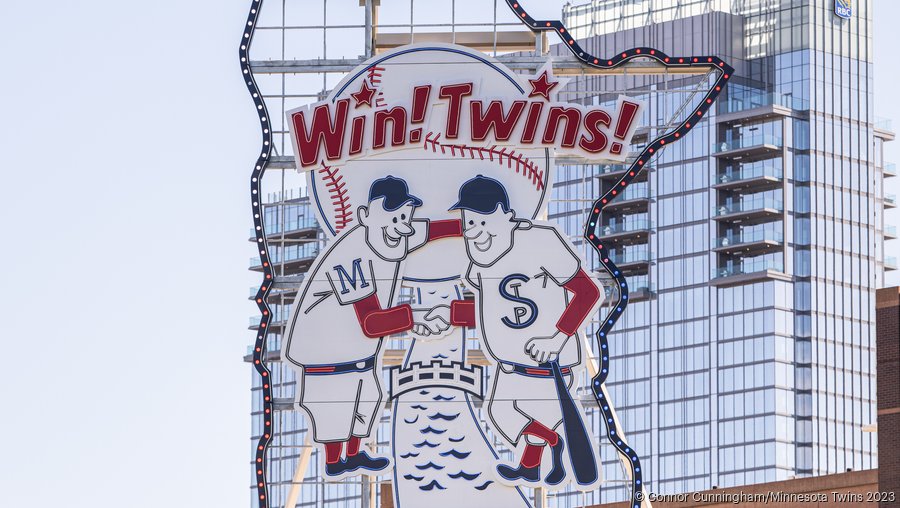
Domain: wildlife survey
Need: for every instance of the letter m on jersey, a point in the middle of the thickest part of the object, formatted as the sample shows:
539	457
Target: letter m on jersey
356	276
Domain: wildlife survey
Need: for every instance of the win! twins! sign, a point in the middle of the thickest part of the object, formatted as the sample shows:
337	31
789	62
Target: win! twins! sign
429	168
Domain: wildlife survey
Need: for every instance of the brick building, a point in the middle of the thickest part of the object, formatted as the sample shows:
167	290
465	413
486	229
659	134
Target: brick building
887	309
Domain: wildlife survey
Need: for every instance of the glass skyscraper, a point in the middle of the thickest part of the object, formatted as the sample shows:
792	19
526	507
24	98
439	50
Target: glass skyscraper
759	241
752	248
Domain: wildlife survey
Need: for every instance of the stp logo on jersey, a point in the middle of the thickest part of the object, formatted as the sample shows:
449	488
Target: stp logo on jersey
526	313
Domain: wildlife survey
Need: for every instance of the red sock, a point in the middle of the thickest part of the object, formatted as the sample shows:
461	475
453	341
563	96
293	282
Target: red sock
531	457
333	452
353	446
535	428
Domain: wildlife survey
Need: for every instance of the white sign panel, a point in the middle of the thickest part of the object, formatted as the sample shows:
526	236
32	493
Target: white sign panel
430	168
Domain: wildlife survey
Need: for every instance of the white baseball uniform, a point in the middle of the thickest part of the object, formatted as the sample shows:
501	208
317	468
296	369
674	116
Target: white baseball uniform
520	297
336	356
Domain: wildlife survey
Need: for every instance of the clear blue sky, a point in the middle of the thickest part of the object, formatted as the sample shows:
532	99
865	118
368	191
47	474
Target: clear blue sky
126	137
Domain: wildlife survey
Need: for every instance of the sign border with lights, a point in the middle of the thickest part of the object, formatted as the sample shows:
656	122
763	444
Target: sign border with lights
724	72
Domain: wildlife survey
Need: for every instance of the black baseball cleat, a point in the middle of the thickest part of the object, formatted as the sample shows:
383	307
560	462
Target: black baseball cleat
338	468
531	474
558	473
362	461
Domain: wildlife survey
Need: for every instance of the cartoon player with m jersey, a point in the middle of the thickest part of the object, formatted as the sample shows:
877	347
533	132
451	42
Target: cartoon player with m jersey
356	279
532	297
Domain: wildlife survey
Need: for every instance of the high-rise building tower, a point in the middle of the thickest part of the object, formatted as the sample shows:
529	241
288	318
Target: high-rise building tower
759	242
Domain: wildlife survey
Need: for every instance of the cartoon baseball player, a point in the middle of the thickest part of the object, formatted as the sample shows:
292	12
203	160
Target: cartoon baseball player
532	296
344	307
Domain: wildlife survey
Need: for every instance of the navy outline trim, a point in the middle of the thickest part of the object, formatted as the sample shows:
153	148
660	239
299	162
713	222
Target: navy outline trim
711	62
262	293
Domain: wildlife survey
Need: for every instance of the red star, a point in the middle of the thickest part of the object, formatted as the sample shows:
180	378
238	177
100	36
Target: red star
542	86
364	95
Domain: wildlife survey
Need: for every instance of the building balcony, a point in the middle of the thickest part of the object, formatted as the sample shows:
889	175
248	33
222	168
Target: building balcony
889	170
749	210
884	128
295	257
632	260
890	232
756	179
747	271
640	288
275	325
303	226
757	105
627	232
275	294
613	172
635	199
749	244
748	146
890	200
890	263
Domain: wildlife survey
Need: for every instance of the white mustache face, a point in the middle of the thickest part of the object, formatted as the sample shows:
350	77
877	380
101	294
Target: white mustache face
488	236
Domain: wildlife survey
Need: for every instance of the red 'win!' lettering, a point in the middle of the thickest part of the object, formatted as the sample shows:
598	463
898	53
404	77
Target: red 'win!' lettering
591	132
323	129
397	117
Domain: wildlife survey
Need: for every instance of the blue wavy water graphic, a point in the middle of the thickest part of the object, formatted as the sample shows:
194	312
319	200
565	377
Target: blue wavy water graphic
431	486
464	475
442	416
455	453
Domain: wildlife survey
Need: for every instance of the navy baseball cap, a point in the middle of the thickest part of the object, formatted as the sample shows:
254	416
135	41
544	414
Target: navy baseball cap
483	195
394	191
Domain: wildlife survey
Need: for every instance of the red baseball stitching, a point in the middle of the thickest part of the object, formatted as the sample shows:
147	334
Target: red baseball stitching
336	188
523	164
375	74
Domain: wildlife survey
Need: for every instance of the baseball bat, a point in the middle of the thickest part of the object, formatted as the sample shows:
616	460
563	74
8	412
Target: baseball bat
581	450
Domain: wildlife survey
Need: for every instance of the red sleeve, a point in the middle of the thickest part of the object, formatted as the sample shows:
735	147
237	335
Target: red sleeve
444	229
462	313
377	323
585	296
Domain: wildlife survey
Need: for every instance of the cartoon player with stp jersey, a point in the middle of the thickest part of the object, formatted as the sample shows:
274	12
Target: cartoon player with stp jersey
344	307
533	297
